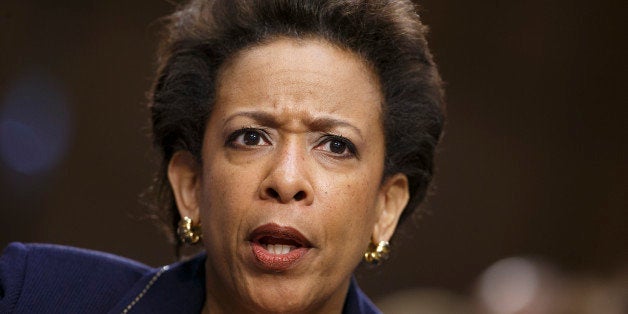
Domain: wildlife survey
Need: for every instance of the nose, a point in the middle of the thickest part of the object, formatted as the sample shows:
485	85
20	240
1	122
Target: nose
287	180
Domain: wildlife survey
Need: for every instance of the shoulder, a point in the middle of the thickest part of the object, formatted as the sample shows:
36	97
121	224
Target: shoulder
175	288
35	276
357	302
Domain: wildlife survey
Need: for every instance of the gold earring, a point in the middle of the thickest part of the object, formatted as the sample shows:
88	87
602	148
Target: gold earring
187	233
377	254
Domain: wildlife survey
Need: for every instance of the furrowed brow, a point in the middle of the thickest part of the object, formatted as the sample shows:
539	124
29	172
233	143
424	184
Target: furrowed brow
258	116
328	123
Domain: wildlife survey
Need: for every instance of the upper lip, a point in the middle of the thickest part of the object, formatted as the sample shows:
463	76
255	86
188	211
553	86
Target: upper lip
278	234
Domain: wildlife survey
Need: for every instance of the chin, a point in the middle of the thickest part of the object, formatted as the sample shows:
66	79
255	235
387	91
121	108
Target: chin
276	294
281	305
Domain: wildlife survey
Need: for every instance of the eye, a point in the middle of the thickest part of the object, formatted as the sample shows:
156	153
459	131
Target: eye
248	137
338	145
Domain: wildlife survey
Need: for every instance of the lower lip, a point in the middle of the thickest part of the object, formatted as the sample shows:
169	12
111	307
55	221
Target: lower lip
277	262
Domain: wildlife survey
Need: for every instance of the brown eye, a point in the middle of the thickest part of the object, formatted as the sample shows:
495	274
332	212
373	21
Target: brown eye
251	138
338	146
248	137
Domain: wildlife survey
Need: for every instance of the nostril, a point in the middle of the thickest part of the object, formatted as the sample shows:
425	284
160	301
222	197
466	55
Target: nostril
299	196
272	193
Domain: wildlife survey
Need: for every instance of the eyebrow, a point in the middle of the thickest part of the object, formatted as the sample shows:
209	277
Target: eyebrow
316	124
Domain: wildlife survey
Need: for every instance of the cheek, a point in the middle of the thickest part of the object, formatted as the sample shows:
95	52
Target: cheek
222	193
348	218
222	187
351	205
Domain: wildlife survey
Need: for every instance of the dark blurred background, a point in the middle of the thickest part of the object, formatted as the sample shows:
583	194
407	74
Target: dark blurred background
533	162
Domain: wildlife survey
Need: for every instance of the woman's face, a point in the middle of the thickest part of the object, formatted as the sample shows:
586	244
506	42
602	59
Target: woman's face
290	192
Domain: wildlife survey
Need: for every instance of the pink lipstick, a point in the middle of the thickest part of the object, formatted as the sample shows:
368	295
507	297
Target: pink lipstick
278	248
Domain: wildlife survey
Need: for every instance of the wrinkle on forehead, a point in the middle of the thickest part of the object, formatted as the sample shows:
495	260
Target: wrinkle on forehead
281	79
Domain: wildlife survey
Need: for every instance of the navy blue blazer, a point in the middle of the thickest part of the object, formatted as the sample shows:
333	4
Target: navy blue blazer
44	278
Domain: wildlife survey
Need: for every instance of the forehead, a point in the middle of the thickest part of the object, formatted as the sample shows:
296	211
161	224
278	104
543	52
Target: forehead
297	75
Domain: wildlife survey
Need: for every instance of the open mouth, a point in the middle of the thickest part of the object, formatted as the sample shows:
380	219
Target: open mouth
278	245
278	248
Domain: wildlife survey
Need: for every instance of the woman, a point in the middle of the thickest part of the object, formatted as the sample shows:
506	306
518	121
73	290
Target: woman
294	135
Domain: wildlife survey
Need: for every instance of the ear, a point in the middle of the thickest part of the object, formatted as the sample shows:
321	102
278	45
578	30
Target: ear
184	177
393	198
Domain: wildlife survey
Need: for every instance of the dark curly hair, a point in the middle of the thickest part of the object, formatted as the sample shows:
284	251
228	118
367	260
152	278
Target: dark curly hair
387	34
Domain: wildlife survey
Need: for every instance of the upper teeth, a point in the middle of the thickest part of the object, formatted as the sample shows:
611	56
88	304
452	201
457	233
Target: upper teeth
279	248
